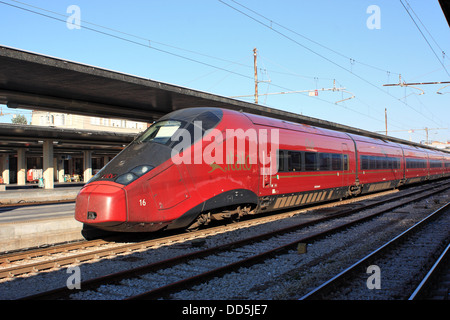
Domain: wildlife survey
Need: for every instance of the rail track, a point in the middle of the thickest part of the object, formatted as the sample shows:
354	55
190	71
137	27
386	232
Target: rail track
35	203
436	283
409	251
41	259
158	279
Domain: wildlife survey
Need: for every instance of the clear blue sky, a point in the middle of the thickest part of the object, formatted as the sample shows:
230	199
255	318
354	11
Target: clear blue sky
205	38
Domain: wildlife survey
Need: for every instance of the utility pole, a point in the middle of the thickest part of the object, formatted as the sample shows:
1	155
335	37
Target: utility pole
256	75
385	118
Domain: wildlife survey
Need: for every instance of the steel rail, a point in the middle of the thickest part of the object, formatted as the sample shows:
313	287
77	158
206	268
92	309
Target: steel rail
34	253
36	203
76	258
323	288
424	285
169	262
198	254
188	282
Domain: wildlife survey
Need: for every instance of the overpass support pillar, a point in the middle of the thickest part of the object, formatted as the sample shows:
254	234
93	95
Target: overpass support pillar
60	169
21	167
87	173
105	160
5	168
48	165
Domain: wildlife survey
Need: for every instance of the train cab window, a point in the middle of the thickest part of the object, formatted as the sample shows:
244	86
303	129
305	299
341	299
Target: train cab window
160	132
346	165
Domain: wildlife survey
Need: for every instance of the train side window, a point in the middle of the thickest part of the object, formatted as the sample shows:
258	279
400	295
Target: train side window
435	164
346	165
336	162
281	160
364	163
324	161
310	161
372	163
382	163
389	163
294	161
378	163
416	164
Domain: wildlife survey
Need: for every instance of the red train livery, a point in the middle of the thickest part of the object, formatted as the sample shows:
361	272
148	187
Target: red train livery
199	164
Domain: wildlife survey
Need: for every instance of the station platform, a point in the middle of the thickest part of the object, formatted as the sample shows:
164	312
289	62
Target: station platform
23	227
30	193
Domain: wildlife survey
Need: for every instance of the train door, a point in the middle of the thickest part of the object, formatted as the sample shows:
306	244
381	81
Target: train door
345	165
268	145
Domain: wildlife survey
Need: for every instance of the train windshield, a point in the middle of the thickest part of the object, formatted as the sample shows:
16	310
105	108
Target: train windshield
160	132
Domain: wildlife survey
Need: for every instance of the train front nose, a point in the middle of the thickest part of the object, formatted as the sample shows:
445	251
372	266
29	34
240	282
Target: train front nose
101	205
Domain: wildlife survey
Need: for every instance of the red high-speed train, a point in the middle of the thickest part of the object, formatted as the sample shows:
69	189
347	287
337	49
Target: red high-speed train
198	164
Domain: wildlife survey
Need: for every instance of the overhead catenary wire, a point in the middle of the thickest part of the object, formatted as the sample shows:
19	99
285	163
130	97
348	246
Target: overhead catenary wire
151	42
444	56
148	44
145	44
425	38
131	41
270	26
352	60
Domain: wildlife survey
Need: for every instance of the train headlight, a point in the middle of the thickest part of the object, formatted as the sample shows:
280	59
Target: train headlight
129	177
141	170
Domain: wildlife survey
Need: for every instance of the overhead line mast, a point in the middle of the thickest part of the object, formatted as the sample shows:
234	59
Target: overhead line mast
256	74
311	92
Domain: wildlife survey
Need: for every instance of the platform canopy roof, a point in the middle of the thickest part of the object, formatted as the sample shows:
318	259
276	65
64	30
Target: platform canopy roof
14	136
34	81
445	5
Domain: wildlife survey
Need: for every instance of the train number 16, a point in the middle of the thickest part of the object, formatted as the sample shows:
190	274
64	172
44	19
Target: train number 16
142	202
